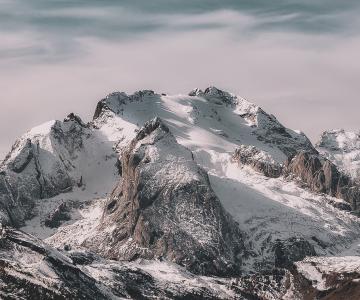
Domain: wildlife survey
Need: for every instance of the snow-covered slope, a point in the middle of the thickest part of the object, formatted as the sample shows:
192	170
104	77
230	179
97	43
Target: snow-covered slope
52	159
164	207
31	269
211	120
213	124
343	149
60	178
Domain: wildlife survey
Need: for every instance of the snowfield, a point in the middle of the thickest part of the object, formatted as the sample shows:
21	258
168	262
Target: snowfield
267	209
212	125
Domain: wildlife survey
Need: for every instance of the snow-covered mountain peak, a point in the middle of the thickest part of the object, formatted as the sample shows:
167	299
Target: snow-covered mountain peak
241	106
74	118
216	95
45	134
51	159
206	119
52	135
114	101
343	149
208	181
340	140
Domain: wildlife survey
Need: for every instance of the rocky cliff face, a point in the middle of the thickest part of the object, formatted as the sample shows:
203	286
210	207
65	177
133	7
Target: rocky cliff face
163	203
318	173
216	95
322	176
164	207
270	131
54	158
328	278
31	269
258	160
114	101
40	165
343	149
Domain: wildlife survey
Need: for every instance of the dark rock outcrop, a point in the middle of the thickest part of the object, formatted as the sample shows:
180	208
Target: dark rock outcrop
164	208
257	160
292	250
216	95
341	205
23	159
82	258
270	131
59	215
271	285
322	176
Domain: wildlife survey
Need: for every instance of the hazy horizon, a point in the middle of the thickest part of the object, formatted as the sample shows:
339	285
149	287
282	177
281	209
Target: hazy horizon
296	59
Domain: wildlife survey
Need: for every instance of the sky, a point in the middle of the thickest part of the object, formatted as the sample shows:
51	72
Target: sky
298	59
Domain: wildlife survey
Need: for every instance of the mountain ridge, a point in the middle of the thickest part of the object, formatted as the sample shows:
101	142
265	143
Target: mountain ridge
252	192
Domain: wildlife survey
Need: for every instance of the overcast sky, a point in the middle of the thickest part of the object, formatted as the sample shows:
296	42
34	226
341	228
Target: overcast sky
298	59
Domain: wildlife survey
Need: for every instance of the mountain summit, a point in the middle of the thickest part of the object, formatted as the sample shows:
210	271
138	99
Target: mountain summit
196	196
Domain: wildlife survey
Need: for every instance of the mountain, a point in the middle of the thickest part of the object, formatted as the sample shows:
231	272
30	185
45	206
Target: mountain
197	196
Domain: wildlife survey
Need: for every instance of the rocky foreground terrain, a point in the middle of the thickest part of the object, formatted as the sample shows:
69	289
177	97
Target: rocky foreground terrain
198	196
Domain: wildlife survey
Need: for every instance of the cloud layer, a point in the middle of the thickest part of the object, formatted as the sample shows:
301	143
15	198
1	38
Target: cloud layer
297	59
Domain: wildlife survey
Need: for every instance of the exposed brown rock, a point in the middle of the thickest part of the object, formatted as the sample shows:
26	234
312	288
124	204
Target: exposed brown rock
164	208
257	160
322	176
